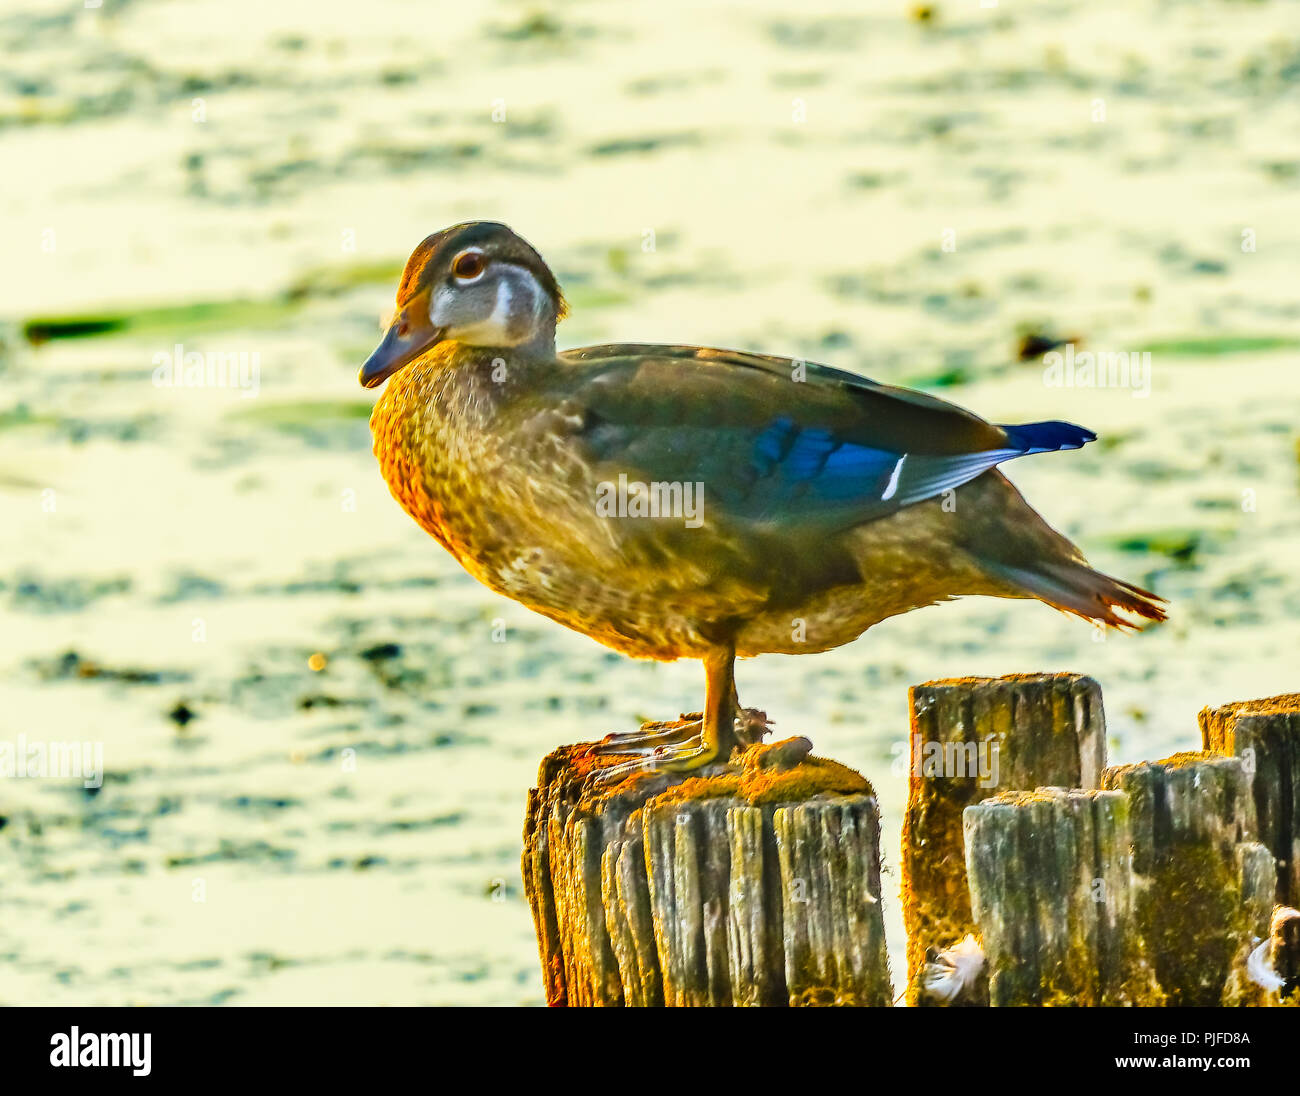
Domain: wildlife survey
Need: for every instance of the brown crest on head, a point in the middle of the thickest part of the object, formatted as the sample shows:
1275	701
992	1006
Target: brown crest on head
435	253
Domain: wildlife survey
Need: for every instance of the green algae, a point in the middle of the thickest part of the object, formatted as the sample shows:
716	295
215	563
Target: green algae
1216	345
190	318
1191	953
219	315
1182	545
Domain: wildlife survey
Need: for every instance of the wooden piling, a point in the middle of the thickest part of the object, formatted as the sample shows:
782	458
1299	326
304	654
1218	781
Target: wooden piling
1204	886
1034	729
750	883
1052	895
1266	735
1032	875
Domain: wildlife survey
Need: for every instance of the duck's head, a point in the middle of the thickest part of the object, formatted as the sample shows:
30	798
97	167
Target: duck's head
478	284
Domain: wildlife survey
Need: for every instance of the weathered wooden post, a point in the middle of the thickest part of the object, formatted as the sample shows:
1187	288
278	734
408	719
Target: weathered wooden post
972	738
1052	894
754	883
1265	734
757	882
1204	886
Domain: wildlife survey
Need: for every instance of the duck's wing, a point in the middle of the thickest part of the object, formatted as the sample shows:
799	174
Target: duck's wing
772	438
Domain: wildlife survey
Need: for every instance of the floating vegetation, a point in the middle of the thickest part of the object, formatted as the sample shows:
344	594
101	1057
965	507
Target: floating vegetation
537	24
1180	545
381	652
584	298
1212	345
21	415
316	422
181	714
829	33
622	146
1034	344
70	666
69	595
191	318
947	378
330	281
272	312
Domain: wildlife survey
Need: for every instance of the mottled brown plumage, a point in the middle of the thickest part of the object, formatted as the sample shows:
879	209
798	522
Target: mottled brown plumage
829	503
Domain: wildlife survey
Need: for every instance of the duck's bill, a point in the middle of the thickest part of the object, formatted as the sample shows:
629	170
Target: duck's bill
410	335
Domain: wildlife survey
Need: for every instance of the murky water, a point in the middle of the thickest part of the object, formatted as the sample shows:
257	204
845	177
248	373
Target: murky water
905	197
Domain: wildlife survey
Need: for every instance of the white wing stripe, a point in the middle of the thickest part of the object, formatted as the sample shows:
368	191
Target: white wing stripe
893	479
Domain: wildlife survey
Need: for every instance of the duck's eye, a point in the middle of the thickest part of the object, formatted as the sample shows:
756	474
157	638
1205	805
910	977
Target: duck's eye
468	265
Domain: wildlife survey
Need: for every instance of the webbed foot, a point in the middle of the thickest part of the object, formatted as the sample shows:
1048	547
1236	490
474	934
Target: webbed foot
680	756
650	737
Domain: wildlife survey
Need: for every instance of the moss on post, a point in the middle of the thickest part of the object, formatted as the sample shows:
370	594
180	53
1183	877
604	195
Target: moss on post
1193	824
972	738
1266	735
751	883
1052	894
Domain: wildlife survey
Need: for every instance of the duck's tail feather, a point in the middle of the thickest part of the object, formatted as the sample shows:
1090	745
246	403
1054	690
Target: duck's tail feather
1048	437
1074	587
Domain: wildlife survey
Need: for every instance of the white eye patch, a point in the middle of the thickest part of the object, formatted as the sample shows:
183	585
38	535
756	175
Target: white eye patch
515	308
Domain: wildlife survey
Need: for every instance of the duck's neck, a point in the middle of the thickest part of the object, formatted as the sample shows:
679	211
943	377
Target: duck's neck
462	386
502	371
436	431
541	347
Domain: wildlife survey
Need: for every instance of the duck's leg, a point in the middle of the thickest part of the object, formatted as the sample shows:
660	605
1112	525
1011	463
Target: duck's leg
714	740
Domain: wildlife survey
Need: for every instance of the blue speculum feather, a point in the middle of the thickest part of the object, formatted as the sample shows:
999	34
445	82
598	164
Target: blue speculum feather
819	464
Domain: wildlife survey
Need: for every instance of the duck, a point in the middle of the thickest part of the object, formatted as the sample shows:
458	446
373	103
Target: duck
688	502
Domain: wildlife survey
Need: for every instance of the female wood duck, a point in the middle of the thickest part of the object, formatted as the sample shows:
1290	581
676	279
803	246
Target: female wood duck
682	502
